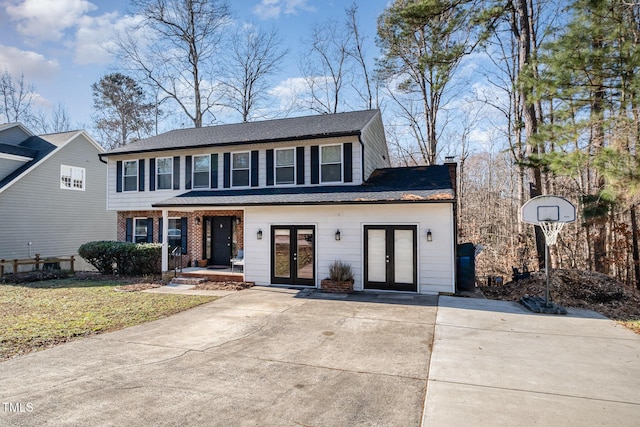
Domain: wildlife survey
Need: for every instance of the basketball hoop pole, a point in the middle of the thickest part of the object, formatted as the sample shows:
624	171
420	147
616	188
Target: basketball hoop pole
546	268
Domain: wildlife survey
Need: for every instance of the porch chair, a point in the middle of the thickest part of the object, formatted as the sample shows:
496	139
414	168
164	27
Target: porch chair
238	260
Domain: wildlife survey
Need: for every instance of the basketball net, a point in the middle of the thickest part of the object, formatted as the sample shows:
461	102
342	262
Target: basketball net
551	230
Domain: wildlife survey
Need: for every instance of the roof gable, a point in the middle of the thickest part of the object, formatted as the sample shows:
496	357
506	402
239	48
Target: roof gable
290	129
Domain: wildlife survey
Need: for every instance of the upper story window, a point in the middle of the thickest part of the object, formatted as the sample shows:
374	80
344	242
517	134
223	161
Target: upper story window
130	175
240	167
201	170
285	166
164	173
331	163
72	178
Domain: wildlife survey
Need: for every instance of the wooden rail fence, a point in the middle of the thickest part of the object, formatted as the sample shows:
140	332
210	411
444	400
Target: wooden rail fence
37	261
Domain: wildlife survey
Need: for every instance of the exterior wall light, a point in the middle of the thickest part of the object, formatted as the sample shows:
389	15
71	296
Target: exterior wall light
197	220
259	234
429	236
338	235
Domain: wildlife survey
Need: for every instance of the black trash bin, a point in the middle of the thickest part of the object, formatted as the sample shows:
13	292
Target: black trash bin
466	267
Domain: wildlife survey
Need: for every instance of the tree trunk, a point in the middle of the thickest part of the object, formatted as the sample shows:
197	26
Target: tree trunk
636	251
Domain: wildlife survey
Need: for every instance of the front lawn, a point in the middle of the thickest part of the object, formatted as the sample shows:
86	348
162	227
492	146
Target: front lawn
43	314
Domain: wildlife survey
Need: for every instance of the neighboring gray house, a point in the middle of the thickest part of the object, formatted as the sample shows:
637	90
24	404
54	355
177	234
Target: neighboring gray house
294	195
52	194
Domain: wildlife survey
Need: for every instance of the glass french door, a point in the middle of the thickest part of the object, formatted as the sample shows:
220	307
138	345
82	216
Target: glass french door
390	253
293	255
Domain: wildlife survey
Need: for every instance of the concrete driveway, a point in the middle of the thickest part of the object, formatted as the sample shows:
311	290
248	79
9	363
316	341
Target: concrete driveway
265	356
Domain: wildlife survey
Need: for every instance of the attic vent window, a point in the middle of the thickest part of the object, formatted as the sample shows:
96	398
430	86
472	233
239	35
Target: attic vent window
72	178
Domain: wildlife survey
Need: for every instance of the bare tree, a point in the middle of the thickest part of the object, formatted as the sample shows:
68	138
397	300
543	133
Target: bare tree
356	51
57	121
16	98
325	67
174	48
255	56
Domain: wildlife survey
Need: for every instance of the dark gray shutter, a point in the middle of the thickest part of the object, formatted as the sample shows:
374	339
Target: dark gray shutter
152	174
149	230
315	164
119	176
160	230
129	230
214	171
300	165
176	173
254	168
347	150
269	167
183	231
188	164
227	170
141	175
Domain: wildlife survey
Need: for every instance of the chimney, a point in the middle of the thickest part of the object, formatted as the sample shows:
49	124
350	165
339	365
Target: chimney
450	162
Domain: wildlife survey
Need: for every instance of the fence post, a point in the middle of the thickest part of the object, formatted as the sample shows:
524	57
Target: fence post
37	262
71	262
15	266
1	268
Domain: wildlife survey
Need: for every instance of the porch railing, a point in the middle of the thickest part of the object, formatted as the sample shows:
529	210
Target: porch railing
177	249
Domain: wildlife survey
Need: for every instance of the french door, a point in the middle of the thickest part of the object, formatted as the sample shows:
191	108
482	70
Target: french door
390	254
293	255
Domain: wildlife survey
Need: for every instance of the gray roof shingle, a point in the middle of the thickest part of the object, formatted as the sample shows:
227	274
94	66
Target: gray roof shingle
419	184
295	128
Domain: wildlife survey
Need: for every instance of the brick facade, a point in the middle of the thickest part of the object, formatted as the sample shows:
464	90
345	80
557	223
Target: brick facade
195	225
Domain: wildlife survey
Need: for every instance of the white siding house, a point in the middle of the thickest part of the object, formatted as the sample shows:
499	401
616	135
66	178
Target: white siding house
294	195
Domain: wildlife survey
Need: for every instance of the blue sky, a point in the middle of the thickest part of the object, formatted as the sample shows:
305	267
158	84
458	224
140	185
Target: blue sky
59	44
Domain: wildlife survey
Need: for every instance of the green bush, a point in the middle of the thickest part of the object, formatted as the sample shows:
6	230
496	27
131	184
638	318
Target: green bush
127	258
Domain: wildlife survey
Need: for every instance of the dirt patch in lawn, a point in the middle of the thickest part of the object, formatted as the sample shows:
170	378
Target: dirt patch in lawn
579	289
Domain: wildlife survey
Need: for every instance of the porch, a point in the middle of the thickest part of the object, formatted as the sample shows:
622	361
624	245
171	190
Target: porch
218	274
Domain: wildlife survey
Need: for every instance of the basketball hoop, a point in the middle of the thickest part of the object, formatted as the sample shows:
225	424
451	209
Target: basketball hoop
550	213
551	229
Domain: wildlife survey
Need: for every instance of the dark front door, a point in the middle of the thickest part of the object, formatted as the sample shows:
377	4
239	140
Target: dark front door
390	253
293	255
217	239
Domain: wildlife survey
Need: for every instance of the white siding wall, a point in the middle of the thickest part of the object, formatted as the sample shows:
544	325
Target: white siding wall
436	259
142	200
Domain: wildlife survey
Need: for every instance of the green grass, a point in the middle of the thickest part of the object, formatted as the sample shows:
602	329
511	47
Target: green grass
42	314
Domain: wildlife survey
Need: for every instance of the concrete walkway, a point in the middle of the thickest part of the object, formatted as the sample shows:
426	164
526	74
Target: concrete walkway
281	357
496	364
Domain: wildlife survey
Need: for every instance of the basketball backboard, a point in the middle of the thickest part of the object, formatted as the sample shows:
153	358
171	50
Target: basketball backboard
547	208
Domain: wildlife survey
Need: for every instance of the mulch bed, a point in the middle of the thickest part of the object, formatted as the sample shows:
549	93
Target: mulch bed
575	288
224	286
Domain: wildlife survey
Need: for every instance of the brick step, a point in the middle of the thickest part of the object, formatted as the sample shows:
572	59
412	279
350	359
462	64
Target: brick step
186	281
217	277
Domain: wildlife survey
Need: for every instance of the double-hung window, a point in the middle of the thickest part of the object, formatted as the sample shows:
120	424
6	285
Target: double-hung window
285	166
164	173
175	233
331	163
130	175
72	178
201	171
240	168
140	230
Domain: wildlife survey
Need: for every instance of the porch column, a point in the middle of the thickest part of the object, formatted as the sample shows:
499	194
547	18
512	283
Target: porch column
165	240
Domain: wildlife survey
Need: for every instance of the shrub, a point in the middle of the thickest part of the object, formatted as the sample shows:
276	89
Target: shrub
129	258
340	272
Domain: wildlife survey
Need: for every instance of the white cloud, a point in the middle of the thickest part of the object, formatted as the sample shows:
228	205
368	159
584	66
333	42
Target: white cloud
46	19
271	9
289	91
32	64
95	37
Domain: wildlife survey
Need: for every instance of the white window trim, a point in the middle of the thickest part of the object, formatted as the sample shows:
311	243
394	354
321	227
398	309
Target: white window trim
193	172
247	169
124	187
275	167
133	232
83	171
157	175
332	163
